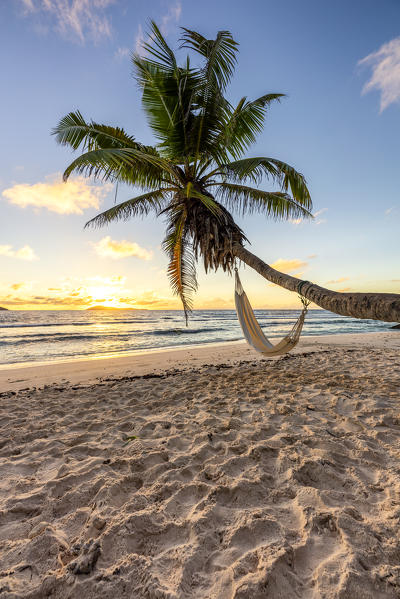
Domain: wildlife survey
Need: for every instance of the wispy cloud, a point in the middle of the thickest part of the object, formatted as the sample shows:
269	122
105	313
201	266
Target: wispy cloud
74	19
24	286
385	77
122	53
317	216
289	265
24	253
139	39
392	211
165	23
110	248
340	280
171	17
150	299
72	197
316	221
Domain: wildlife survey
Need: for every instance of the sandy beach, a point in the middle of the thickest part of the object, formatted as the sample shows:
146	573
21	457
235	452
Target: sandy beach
205	473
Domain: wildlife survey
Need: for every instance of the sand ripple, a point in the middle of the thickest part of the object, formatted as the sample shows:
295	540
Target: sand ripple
270	479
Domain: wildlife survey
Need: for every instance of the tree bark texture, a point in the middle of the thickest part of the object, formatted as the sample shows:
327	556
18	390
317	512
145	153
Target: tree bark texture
375	306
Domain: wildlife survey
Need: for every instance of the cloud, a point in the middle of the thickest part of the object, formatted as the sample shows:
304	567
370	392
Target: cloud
139	39
74	19
150	299
393	210
122	53
6	250
24	286
28	5
86	292
312	256
109	248
83	292
288	265
344	289
24	253
385	65
72	197
315	221
340	280
66	301
170	18
115	280
70	292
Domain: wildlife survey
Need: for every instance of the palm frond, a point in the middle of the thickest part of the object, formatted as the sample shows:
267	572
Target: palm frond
140	206
72	130
126	165
157	47
293	180
182	262
214	75
168	99
254	169
207	200
247	200
244	122
220	55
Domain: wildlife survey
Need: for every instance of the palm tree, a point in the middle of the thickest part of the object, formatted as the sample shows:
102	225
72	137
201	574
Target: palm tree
196	175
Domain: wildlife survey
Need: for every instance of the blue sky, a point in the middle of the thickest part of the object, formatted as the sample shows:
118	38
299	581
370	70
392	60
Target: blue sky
338	63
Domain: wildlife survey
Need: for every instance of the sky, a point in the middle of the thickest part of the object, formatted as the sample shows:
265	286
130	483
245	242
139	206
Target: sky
339	64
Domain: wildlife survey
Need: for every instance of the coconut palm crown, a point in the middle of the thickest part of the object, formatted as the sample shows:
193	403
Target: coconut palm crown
196	174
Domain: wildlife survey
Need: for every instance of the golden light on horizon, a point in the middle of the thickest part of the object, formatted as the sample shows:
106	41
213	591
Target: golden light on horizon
102	294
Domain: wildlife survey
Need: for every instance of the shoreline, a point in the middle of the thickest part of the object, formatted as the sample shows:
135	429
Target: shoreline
142	362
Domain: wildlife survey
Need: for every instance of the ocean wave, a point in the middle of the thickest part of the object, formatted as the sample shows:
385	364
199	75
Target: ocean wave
167	332
45	324
107	337
46	336
28	339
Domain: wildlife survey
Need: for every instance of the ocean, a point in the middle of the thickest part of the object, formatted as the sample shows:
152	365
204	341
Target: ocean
48	335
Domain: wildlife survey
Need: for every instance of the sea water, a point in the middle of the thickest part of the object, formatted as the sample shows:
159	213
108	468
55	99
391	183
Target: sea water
49	335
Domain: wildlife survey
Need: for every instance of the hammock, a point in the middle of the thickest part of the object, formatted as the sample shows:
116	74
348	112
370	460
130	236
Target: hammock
252	330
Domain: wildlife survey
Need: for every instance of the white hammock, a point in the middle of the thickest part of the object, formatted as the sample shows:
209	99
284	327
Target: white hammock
252	330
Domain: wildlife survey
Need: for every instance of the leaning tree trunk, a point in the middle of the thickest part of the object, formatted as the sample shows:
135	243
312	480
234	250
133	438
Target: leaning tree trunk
377	306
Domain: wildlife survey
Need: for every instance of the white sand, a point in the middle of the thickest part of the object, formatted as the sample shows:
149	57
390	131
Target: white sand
273	479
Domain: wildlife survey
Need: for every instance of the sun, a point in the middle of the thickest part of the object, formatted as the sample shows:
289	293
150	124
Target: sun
104	294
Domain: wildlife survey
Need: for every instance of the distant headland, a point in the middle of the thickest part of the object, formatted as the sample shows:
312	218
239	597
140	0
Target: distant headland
3	308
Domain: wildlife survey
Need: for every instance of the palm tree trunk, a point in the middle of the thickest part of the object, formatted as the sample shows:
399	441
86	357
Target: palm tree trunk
376	306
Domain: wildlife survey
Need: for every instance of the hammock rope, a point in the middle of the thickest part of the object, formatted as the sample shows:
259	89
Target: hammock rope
252	331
